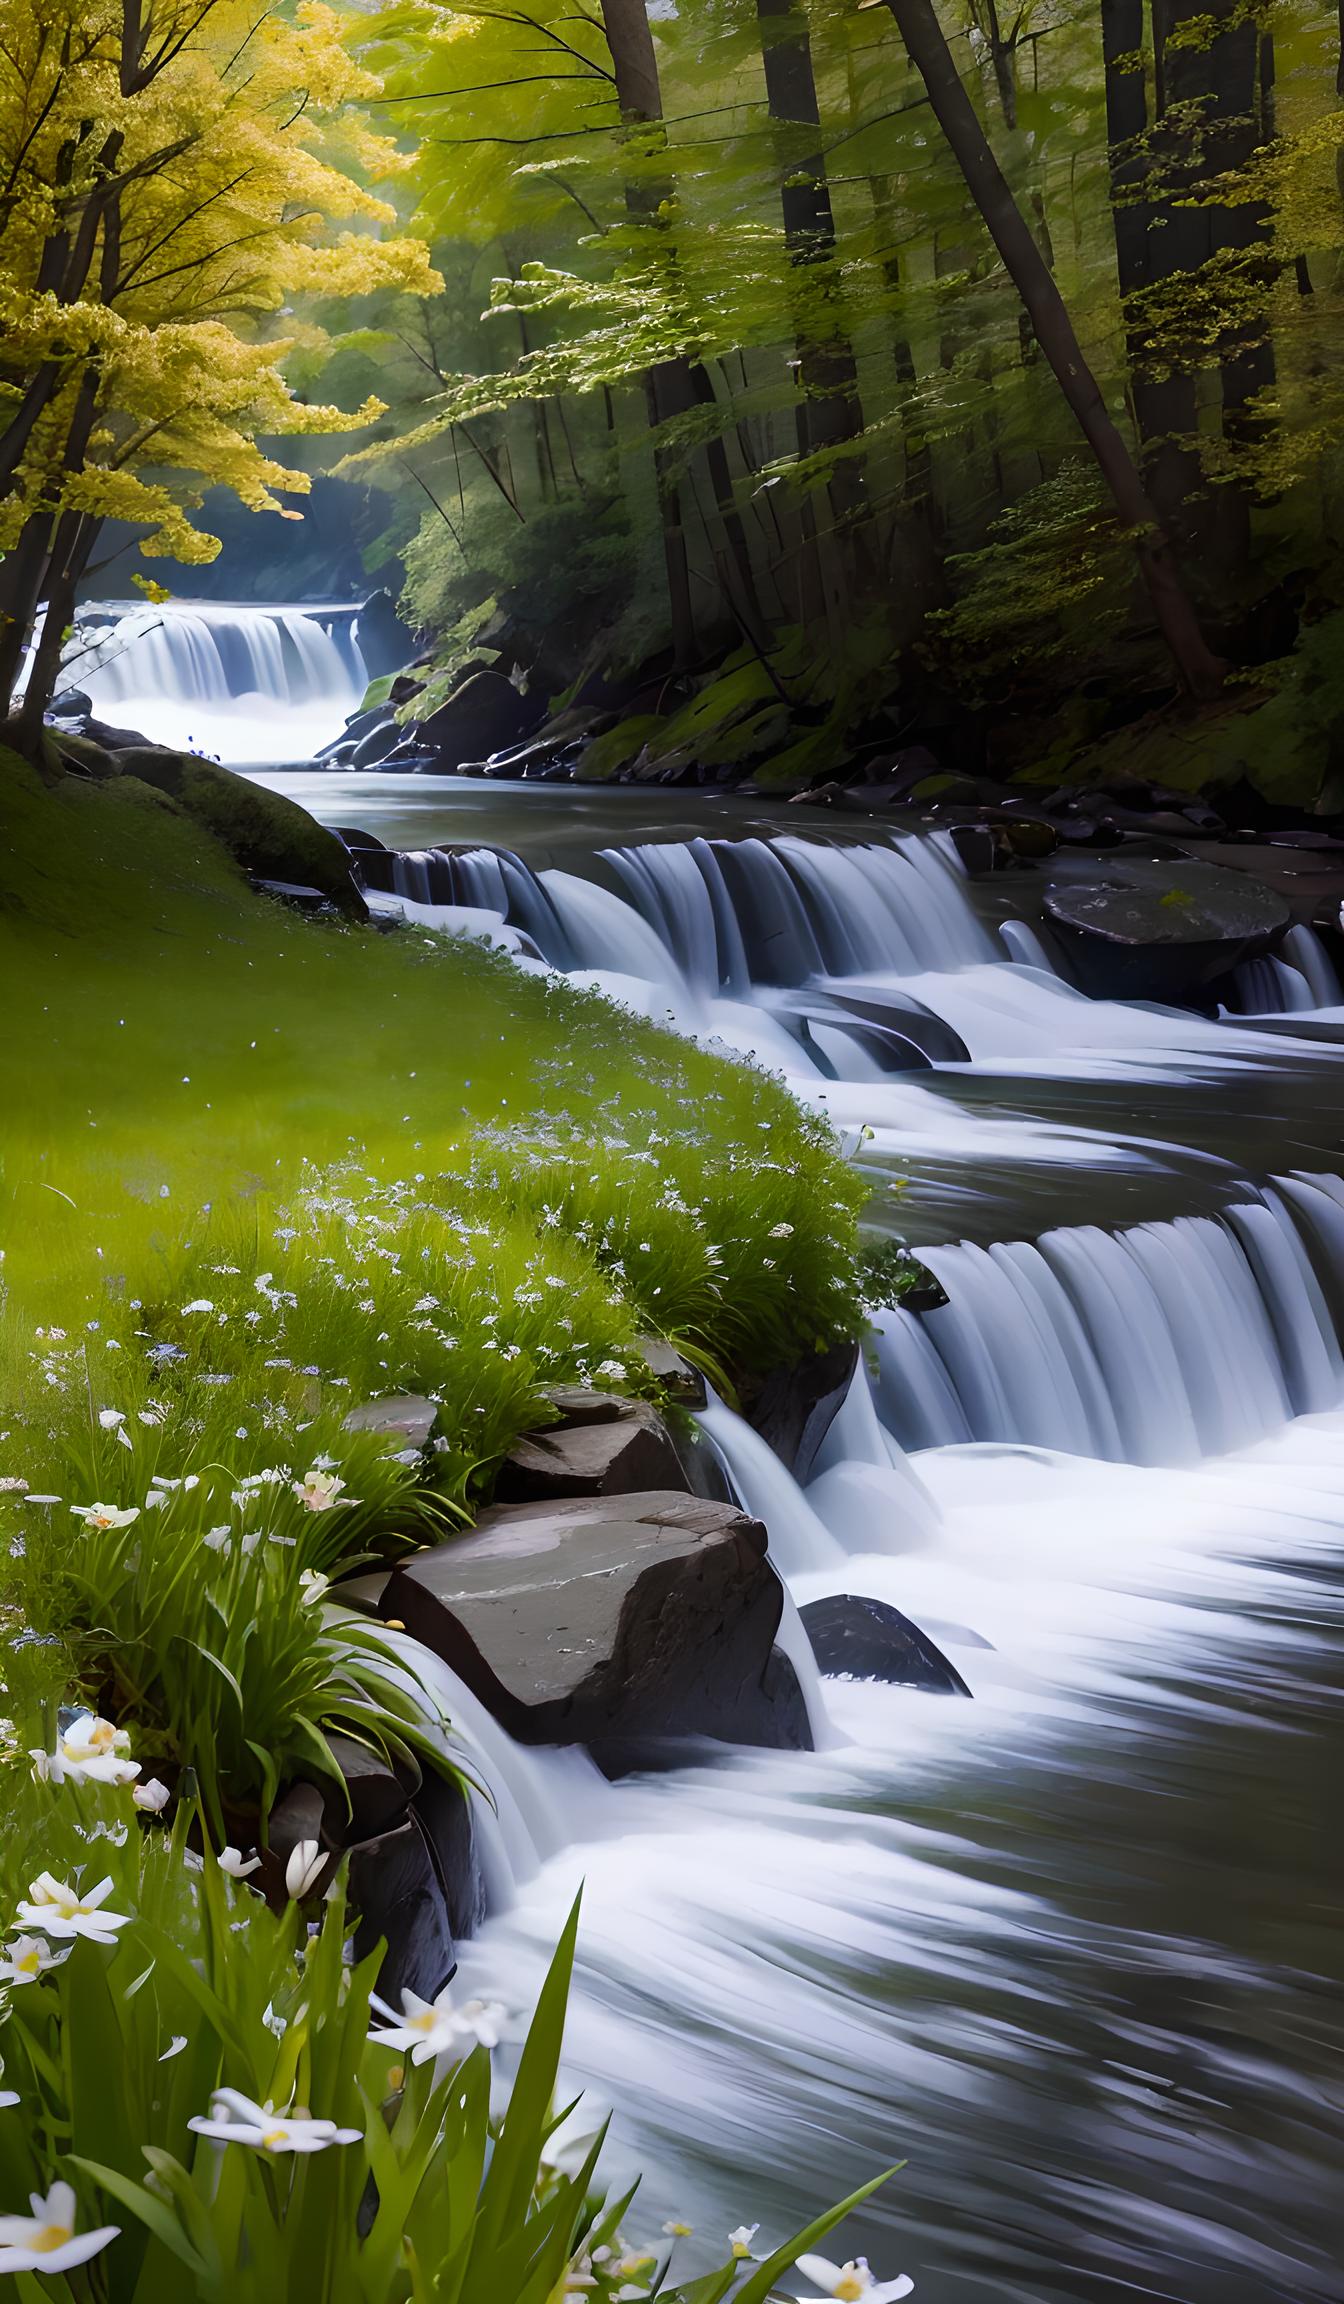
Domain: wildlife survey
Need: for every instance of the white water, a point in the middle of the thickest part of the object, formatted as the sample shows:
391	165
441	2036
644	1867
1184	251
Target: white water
242	684
1107	1476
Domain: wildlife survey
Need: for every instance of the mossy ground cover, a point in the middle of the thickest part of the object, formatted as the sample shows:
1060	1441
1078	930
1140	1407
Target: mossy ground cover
255	1168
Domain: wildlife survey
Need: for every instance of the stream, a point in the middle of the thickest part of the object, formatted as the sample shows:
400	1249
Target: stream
1072	1950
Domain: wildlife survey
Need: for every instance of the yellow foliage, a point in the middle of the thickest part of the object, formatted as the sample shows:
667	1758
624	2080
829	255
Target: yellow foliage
172	173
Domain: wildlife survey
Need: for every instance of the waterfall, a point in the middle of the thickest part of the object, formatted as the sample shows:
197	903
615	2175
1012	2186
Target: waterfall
537	1799
1154	1345
246	684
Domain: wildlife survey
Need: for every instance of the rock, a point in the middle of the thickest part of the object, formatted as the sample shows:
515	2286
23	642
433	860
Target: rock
405	1416
269	836
1143	930
609	1621
446	1818
679	1379
378	1796
618	1456
386	643
84	756
862	1639
902	1022
363	1592
299	1814
375	746
485	715
793	1408
290	892
71	704
577	1404
396	1889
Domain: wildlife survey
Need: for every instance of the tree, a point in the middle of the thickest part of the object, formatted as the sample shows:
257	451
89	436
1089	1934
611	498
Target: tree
173	174
923	35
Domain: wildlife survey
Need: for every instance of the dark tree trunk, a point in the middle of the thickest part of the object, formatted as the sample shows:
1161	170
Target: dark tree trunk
1165	408
23	573
831	414
1209	127
74	541
672	388
922	33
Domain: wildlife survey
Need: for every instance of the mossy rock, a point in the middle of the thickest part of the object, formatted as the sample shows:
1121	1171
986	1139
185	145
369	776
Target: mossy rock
617	748
85	756
271	837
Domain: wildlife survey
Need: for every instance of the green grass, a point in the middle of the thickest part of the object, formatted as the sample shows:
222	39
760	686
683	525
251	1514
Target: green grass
258	1168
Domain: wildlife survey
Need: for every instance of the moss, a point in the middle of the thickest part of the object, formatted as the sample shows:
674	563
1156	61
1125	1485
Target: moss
264	832
616	748
1280	730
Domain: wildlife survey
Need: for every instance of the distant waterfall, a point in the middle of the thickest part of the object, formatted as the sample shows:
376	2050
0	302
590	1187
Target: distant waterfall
244	684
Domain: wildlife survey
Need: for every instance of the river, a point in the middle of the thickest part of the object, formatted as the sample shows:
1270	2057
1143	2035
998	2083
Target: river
1071	1950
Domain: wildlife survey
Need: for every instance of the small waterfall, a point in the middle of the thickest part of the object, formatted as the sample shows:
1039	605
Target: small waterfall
800	1543
1155	1345
540	1799
248	684
711	918
1299	977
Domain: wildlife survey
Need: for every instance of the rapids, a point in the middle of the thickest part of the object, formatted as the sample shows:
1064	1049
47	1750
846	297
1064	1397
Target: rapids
1072	1949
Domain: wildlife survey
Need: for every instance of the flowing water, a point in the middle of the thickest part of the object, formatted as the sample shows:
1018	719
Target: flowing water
1072	1949
241	684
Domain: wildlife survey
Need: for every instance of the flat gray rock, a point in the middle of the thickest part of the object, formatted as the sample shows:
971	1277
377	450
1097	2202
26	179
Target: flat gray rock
608	1621
1168	903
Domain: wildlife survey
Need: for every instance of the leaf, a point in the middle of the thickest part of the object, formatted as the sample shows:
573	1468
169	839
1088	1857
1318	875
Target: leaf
756	2289
155	2215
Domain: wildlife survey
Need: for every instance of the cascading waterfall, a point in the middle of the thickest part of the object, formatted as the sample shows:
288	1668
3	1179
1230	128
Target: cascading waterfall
246	684
1156	1345
1106	1476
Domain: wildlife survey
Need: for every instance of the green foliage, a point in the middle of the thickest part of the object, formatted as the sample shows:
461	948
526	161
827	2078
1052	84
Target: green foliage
419	2188
1045	593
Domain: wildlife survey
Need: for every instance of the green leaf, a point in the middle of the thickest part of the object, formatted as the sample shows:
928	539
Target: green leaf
156	2216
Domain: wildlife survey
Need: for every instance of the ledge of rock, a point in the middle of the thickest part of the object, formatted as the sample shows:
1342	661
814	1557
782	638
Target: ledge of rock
862	1639
611	1621
616	1449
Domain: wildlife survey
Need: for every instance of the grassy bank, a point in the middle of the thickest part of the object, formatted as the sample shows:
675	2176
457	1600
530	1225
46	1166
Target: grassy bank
264	1168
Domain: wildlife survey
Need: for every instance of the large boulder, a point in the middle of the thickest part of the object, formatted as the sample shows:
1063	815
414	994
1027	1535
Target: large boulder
486	714
1136	929
857	1638
621	1449
271	837
611	1621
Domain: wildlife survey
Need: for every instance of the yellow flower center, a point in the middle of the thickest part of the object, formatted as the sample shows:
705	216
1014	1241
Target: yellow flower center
274	2138
848	2288
425	2023
30	1964
51	2236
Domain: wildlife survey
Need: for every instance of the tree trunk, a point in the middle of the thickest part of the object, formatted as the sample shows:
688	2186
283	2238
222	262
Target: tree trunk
1208	129
671	388
831	414
75	538
23	572
1165	409
922	33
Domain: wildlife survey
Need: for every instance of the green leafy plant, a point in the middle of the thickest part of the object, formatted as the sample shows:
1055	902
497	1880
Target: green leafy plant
237	2125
